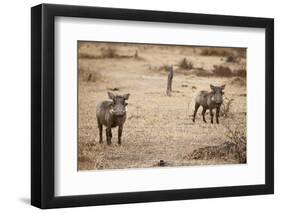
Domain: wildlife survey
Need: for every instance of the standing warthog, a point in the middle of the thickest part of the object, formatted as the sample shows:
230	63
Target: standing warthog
209	100
112	114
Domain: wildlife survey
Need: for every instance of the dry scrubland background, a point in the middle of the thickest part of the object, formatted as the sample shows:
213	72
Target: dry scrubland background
158	126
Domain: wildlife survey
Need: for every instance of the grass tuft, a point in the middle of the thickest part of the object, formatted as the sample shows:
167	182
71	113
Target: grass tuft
185	64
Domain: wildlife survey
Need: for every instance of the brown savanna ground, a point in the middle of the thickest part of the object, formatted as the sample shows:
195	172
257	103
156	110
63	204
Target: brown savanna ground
158	127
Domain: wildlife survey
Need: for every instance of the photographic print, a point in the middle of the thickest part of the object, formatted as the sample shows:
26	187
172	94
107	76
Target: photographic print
134	95
158	105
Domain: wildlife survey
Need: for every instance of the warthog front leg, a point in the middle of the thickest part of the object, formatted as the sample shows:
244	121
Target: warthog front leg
203	114
100	130
217	114
195	111
120	129
108	135
212	115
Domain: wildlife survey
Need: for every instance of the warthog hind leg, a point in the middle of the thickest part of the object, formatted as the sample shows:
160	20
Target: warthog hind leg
195	111
203	114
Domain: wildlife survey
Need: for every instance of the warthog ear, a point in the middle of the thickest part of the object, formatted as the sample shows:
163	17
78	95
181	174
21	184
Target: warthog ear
111	95
126	96
212	87
222	87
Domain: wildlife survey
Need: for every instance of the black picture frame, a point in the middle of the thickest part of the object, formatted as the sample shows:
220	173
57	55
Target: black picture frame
43	105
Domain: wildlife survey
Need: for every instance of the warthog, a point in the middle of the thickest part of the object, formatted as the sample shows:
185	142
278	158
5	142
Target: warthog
112	114
209	100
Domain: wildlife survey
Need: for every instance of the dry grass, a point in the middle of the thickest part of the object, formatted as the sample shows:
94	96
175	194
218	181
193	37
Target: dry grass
217	52
158	128
232	151
222	71
241	73
203	73
185	64
237	136
225	108
232	59
89	74
230	53
238	81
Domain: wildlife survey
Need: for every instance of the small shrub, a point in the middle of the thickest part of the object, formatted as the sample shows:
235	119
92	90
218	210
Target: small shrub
231	59
238	81
233	150
203	73
185	64
86	55
215	52
109	53
225	108
164	67
238	137
241	73
222	71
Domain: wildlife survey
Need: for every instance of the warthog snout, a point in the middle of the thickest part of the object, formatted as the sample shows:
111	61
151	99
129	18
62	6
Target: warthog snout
118	112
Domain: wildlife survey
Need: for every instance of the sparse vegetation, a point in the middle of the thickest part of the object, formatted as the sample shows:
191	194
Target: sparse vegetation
238	81
89	75
238	137
222	71
225	108
203	73
216	52
106	52
241	73
86	55
185	64
231	59
109	52
164	67
230	53
233	150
